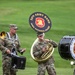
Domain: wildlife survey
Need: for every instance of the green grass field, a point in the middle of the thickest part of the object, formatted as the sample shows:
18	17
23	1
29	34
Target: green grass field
33	71
62	14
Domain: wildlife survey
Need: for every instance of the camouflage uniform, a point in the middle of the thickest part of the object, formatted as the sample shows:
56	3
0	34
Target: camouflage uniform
5	44
48	64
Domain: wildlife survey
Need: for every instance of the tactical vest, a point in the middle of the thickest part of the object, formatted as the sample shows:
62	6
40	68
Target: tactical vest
12	40
9	37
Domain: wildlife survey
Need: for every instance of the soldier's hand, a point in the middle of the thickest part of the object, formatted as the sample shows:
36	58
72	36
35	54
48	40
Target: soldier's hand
8	51
44	49
23	50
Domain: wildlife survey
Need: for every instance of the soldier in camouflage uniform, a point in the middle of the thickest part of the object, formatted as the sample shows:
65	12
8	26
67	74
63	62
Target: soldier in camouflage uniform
10	44
38	49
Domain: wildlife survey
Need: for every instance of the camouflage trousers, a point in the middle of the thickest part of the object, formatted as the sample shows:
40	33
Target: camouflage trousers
7	70
49	66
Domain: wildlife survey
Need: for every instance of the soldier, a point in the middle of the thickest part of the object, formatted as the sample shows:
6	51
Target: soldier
10	44
38	49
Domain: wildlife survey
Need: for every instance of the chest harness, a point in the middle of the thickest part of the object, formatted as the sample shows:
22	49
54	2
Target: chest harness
12	40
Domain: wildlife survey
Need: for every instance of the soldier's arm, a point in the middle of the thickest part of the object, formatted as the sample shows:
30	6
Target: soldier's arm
19	49
37	52
2	47
18	46
53	43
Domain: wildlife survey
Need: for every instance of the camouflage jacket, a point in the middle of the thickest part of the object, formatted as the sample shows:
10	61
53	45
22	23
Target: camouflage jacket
37	49
9	43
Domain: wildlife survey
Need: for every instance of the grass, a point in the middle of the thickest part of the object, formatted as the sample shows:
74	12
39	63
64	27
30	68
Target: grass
60	71
33	71
60	12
